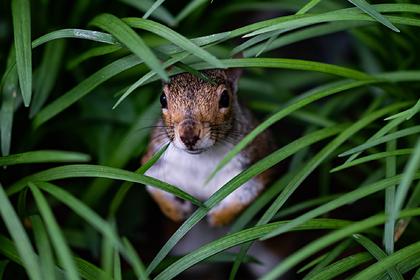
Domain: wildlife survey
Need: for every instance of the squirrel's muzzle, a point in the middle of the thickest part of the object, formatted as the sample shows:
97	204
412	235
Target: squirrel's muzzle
189	133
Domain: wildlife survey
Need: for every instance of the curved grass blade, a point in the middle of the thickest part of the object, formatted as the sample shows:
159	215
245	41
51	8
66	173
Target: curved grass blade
153	8
238	238
91	35
174	37
9	96
237	181
408	176
370	10
86	270
85	87
46	75
187	10
93	219
341	201
19	236
329	239
160	12
62	250
376	156
131	40
396	258
327	259
46	257
377	252
138	266
401	133
341	266
21	15
93	52
43	156
86	170
407	114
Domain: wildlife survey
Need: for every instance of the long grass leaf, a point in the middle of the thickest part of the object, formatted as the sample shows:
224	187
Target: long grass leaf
86	170
9	101
401	133
46	75
370	10
159	13
375	156
85	87
21	15
174	37
43	156
377	252
396	258
131	40
341	266
46	257
153	8
187	10
57	239
19	236
329	239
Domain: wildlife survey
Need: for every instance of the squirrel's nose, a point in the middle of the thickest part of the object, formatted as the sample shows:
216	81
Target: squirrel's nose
189	133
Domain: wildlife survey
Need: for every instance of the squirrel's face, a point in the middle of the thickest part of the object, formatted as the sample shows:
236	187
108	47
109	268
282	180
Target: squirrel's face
198	114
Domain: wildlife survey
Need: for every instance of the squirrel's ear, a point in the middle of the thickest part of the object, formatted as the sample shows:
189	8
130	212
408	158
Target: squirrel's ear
233	74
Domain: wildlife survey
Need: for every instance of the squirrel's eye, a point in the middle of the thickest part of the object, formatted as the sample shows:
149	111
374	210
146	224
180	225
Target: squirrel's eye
163	101
224	99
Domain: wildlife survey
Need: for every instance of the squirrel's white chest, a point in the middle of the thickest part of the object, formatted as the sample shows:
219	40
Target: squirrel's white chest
189	172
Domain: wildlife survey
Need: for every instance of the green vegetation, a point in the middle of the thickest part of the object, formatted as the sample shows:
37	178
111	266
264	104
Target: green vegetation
337	81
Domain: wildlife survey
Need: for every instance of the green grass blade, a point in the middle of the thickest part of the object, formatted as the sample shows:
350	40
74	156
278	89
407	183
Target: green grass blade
92	218
407	114
86	270
46	257
9	100
43	156
174	37
341	201
341	266
85	87
139	268
160	12
401	133
417	275
117	266
376	156
370	10
153	8
236	182
396	258
187	10
91	35
328	258
408	176
131	40
47	74
21	14
329	239
377	252
390	170
19	236
86	170
235	239
60	246
93	52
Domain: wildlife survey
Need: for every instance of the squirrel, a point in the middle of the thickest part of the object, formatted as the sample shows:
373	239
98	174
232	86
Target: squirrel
202	120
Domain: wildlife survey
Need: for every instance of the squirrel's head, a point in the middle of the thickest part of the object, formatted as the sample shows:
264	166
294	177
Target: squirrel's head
197	113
